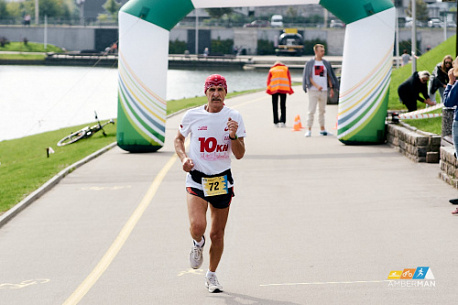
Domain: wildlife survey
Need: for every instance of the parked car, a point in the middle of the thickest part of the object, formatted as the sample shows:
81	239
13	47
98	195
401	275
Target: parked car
336	24
435	23
257	24
409	24
451	24
277	21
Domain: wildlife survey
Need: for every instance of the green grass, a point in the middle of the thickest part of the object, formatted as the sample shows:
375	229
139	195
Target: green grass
433	125
426	62
28	48
23	56
15	46
25	166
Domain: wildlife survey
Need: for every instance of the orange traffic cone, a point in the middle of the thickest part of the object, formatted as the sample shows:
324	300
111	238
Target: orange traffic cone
297	124
300	123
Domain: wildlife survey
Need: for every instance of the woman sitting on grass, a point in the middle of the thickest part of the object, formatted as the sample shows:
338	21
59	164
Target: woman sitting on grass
409	91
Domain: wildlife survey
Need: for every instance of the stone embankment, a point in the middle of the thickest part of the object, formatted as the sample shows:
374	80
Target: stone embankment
415	144
448	166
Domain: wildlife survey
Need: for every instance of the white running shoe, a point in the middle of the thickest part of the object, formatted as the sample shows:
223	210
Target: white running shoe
195	257
212	283
308	134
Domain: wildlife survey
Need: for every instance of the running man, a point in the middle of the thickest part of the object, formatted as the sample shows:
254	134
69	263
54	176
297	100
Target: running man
215	131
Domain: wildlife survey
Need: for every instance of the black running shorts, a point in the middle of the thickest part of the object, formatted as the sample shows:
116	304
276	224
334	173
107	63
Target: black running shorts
218	201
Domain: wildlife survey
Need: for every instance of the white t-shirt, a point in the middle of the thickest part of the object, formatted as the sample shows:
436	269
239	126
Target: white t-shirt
320	76
210	146
405	59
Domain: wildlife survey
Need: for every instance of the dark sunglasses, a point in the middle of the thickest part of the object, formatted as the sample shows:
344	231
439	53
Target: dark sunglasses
448	62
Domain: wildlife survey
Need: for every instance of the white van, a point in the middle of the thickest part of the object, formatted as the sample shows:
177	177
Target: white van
276	21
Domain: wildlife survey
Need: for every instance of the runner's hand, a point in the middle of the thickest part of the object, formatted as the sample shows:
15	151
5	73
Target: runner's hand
232	126
188	164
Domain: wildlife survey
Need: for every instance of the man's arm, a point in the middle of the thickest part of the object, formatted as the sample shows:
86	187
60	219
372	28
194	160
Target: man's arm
306	75
187	163
330	86
237	144
238	148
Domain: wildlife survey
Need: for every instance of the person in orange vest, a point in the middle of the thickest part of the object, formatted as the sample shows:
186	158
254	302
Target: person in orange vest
278	85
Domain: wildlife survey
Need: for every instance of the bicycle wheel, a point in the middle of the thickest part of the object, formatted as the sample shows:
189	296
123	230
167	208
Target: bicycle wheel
72	138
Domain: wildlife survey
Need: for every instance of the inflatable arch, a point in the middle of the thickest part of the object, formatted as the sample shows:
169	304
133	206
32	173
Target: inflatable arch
144	27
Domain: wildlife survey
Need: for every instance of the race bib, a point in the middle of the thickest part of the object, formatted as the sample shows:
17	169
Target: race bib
215	186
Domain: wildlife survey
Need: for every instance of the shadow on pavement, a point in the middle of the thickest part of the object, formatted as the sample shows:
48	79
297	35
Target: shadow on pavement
236	299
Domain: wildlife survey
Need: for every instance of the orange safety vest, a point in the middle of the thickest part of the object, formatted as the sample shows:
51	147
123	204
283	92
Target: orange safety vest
279	80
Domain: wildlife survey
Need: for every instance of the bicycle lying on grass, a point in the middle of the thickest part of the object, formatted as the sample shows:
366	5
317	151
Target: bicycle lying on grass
84	133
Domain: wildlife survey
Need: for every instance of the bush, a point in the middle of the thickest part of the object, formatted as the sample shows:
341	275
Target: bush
177	47
222	46
308	45
265	47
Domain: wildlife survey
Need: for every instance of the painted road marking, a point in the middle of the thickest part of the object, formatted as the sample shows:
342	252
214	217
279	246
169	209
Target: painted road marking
323	283
110	255
23	284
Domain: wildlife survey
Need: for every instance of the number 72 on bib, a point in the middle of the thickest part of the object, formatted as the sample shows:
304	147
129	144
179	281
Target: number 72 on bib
215	186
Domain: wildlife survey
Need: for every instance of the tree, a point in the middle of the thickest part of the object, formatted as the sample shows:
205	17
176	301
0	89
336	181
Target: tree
3	11
421	10
51	8
219	12
291	12
112	7
13	10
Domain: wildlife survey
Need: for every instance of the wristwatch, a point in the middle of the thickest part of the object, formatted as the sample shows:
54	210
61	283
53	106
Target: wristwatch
233	138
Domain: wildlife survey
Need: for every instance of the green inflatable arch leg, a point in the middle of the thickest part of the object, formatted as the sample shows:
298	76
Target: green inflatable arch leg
144	27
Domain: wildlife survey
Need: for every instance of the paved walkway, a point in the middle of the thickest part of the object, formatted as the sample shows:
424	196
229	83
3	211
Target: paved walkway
313	222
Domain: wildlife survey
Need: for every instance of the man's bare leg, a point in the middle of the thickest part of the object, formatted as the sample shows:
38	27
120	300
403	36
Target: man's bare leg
219	220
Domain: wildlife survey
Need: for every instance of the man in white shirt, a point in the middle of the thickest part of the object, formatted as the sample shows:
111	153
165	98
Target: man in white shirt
318	78
215	132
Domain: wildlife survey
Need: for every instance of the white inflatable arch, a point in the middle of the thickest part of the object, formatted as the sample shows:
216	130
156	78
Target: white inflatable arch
144	27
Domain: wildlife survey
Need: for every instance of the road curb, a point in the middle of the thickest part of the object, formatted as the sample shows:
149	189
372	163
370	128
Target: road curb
8	215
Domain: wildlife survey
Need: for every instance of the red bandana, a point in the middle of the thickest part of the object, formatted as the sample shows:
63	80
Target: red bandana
215	80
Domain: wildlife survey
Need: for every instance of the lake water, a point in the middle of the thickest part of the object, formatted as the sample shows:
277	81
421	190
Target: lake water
35	99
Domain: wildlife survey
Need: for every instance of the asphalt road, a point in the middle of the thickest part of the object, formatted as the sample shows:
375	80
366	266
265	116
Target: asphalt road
313	222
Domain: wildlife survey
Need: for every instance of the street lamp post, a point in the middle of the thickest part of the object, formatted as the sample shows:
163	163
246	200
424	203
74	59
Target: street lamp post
414	35
37	12
80	4
197	32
